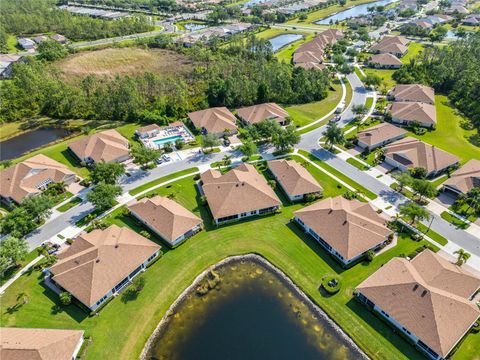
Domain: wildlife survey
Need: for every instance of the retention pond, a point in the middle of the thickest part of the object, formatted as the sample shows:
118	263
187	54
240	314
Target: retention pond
244	308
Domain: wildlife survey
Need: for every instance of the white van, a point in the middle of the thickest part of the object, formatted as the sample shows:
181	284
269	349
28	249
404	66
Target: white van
340	108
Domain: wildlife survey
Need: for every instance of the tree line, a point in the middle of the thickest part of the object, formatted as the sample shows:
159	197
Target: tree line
453	70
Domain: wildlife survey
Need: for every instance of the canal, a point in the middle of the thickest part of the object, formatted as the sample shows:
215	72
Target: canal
353	12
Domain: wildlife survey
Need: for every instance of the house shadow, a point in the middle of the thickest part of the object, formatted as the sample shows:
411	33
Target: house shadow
72	310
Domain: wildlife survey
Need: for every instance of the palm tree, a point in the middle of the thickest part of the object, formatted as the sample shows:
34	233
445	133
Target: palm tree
334	135
227	160
472	199
463	256
23	297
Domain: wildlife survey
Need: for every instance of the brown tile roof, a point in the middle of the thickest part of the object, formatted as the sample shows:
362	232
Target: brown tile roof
312	51
332	34
391	45
106	146
413	92
302	57
214	120
146	129
241	189
22	179
413	153
380	133
425	114
351	227
427	296
384	60
257	113
99	260
294	178
170	219
465	178
311	65
38	344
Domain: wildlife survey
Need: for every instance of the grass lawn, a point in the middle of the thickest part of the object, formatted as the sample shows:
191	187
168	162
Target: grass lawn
465	211
358	72
74	202
306	113
338	174
414	49
275	237
150	184
370	159
432	234
369	102
357	164
438	181
449	134
12	44
32	255
8	130
286	53
454	220
385	75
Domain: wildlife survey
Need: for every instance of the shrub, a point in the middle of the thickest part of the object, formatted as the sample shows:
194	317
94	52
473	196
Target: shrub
145	234
331	284
350	195
370	255
272	183
65	298
203	200
196	177
69	241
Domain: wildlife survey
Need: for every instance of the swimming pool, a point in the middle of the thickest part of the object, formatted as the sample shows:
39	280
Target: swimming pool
170	139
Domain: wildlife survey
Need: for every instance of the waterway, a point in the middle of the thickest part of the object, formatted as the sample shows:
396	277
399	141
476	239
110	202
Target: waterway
282	40
246	309
353	12
23	143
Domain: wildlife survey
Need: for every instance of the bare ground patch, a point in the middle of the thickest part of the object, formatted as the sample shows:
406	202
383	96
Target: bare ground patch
124	61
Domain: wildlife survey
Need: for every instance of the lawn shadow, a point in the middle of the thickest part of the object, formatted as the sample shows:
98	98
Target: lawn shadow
72	310
385	330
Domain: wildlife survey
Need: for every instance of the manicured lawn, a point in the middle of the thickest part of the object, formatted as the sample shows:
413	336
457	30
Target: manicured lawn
465	211
359	74
414	49
122	328
338	174
369	102
286	53
370	159
449	134
385	75
21	264
74	202
357	164
150	184
454	220
8	130
306	113
438	181
432	234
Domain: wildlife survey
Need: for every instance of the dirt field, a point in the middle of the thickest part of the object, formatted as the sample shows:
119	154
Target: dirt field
123	61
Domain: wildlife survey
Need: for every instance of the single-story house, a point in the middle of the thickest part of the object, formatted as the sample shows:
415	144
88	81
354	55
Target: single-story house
101	263
312	51
347	229
409	153
257	113
379	135
311	66
59	38
217	120
384	61
239	193
302	57
26	44
6	64
40	38
166	218
30	177
427	299
147	131
410	113
464	179
294	179
107	146
412	93
39	344
395	45
472	20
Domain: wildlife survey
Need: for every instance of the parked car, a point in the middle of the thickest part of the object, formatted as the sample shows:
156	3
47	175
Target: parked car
159	161
226	142
340	108
166	158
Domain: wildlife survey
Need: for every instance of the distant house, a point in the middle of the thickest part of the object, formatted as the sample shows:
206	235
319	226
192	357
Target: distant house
312	51
413	113
379	135
101	263
472	20
107	146
26	44
241	192
307	57
59	38
6	64
257	113
294	179
148	131
311	66
412	93
347	229
409	153
217	120
395	45
39	344
384	61
427	299
40	38
32	176
464	179
169	220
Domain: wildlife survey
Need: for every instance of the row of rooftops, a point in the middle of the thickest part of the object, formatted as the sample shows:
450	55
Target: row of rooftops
388	50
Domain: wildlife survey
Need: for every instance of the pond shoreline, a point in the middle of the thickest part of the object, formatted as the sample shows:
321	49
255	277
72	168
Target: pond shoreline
317	310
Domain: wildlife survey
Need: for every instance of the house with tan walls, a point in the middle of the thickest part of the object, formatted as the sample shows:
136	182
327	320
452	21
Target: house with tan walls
257	113
216	120
379	135
464	179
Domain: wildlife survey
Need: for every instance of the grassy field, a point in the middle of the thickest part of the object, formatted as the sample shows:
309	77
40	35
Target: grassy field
8	130
124	61
306	113
32	255
286	53
449	134
385	75
414	49
275	237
